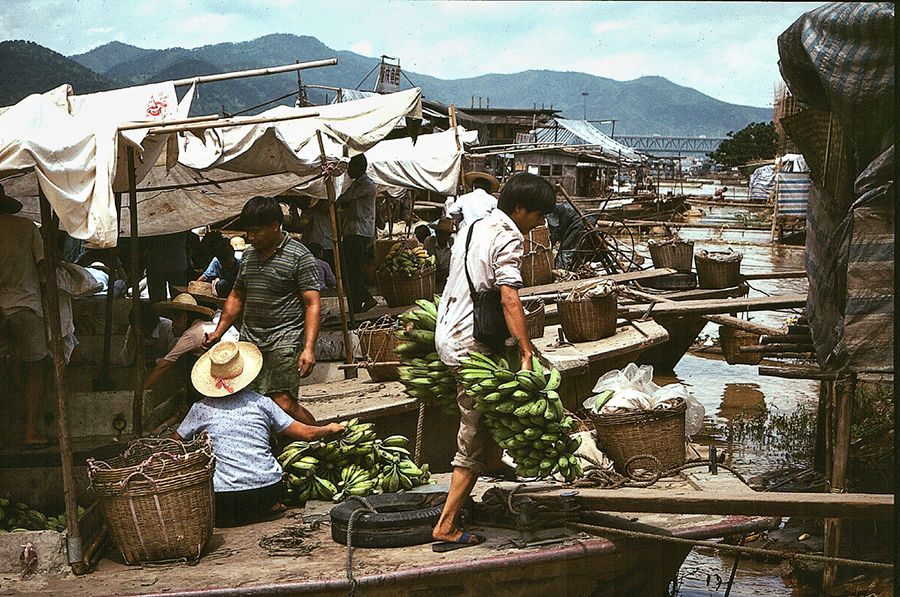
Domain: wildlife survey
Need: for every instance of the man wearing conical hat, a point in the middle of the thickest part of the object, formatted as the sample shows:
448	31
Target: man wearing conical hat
247	480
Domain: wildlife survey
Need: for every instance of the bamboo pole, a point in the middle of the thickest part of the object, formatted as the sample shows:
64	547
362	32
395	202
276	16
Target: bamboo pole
222	123
104	381
52	321
335	244
154	123
256	72
137	329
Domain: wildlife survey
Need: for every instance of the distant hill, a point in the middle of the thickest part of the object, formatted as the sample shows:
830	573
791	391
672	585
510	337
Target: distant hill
648	105
30	68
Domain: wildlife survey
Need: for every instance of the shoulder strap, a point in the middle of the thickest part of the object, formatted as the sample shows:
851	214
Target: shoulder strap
466	257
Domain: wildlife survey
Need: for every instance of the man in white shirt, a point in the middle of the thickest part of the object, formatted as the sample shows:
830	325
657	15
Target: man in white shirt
188	320
477	204
493	257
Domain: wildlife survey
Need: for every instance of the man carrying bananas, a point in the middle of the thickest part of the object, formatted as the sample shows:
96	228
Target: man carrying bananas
488	259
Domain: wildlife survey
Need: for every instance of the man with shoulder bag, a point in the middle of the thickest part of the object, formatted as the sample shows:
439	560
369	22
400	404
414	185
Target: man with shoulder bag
479	310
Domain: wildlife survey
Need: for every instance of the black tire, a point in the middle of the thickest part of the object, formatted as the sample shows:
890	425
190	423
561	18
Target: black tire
402	519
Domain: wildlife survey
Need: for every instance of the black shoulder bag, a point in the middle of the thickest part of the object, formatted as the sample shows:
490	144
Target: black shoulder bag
490	323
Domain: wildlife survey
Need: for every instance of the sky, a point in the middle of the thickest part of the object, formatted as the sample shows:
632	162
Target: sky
727	50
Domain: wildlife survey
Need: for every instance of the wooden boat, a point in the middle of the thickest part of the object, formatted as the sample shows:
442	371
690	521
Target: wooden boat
564	561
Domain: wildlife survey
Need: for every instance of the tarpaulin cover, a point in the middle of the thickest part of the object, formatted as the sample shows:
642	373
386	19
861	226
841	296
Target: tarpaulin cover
72	144
582	132
762	183
838	62
431	164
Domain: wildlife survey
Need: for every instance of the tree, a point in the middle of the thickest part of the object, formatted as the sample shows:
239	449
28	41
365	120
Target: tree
756	141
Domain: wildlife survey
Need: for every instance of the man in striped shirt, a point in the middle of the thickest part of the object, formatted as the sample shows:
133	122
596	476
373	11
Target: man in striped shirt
277	292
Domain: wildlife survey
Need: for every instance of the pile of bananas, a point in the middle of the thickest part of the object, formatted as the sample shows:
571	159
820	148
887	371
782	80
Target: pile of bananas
16	517
356	463
424	375
525	415
403	259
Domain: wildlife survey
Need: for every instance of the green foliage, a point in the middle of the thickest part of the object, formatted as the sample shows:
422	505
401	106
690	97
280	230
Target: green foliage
788	437
756	141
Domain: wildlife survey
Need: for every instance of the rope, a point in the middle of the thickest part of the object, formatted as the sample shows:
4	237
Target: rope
735	549
420	426
609	479
352	583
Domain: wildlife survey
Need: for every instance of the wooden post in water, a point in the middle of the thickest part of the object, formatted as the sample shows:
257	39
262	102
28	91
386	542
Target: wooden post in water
49	230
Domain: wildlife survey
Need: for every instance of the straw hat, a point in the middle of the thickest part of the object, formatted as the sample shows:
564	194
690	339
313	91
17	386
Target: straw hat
202	293
238	243
8	205
470	177
226	368
443	225
184	302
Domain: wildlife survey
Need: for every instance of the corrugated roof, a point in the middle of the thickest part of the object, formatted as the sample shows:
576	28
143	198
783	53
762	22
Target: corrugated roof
582	132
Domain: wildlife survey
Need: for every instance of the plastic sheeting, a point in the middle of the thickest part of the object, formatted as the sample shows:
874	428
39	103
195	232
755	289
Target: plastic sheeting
838	62
582	132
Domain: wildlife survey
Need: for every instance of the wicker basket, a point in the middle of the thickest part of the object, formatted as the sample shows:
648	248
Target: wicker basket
537	260
588	319
534	317
383	246
377	345
717	270
658	433
400	290
157	498
676	253
732	339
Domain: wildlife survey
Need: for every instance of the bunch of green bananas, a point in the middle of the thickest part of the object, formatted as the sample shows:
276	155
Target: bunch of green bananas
17	517
352	464
404	259
525	415
397	471
424	375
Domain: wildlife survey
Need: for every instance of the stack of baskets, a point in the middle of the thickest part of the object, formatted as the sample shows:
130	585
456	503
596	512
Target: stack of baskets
157	498
400	290
718	269
732	339
537	260
588	319
629	437
534	317
377	342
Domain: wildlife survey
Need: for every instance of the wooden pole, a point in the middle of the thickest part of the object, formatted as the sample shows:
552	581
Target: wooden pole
112	262
256	72
335	244
845	390
51	318
137	329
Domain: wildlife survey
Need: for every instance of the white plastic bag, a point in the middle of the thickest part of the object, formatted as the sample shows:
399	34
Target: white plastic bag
693	417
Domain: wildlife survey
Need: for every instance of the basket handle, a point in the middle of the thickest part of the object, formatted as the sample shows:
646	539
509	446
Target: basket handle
124	482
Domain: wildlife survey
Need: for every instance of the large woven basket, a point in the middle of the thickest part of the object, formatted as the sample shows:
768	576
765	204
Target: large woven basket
732	339
676	253
588	319
400	290
716	270
537	260
658	433
157	498
377	345
534	317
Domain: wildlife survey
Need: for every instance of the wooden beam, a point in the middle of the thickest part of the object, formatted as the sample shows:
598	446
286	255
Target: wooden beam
560	287
775	275
812	505
793	373
710	307
256	72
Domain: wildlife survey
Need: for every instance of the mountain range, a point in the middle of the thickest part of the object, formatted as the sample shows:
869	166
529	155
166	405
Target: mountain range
643	106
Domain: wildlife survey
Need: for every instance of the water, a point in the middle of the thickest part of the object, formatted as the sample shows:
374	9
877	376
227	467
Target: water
726	390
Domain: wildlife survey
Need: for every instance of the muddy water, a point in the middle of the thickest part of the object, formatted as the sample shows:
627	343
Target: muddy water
729	390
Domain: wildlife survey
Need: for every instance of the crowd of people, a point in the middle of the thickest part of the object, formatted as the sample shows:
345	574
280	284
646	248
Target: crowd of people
250	334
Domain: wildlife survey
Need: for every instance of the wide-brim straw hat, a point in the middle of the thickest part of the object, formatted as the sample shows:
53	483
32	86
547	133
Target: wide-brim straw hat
203	292
238	243
470	177
183	302
9	205
226	368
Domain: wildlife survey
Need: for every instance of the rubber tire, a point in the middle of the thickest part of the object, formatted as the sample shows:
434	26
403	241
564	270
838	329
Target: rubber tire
401	521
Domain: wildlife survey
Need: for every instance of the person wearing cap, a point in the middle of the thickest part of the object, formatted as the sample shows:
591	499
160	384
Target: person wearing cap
477	204
247	481
21	312
188	326
276	294
440	245
358	232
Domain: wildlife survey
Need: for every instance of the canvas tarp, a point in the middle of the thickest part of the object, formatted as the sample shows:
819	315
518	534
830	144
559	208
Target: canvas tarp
72	144
838	62
582	132
431	164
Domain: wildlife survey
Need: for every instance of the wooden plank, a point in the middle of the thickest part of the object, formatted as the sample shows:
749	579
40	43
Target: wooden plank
813	505
775	275
572	359
558	287
710	307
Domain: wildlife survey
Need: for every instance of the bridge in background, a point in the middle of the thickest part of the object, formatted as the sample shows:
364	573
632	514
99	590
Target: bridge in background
671	146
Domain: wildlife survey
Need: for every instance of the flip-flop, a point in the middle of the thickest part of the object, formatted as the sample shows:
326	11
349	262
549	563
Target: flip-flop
465	540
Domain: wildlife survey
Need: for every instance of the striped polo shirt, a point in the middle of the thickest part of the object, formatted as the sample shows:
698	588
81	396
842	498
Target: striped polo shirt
273	307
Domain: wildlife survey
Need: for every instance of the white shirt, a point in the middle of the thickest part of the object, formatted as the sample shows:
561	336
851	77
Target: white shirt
471	206
494	259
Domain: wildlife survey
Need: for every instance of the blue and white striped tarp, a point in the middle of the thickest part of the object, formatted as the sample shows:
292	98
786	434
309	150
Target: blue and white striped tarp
792	193
762	183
